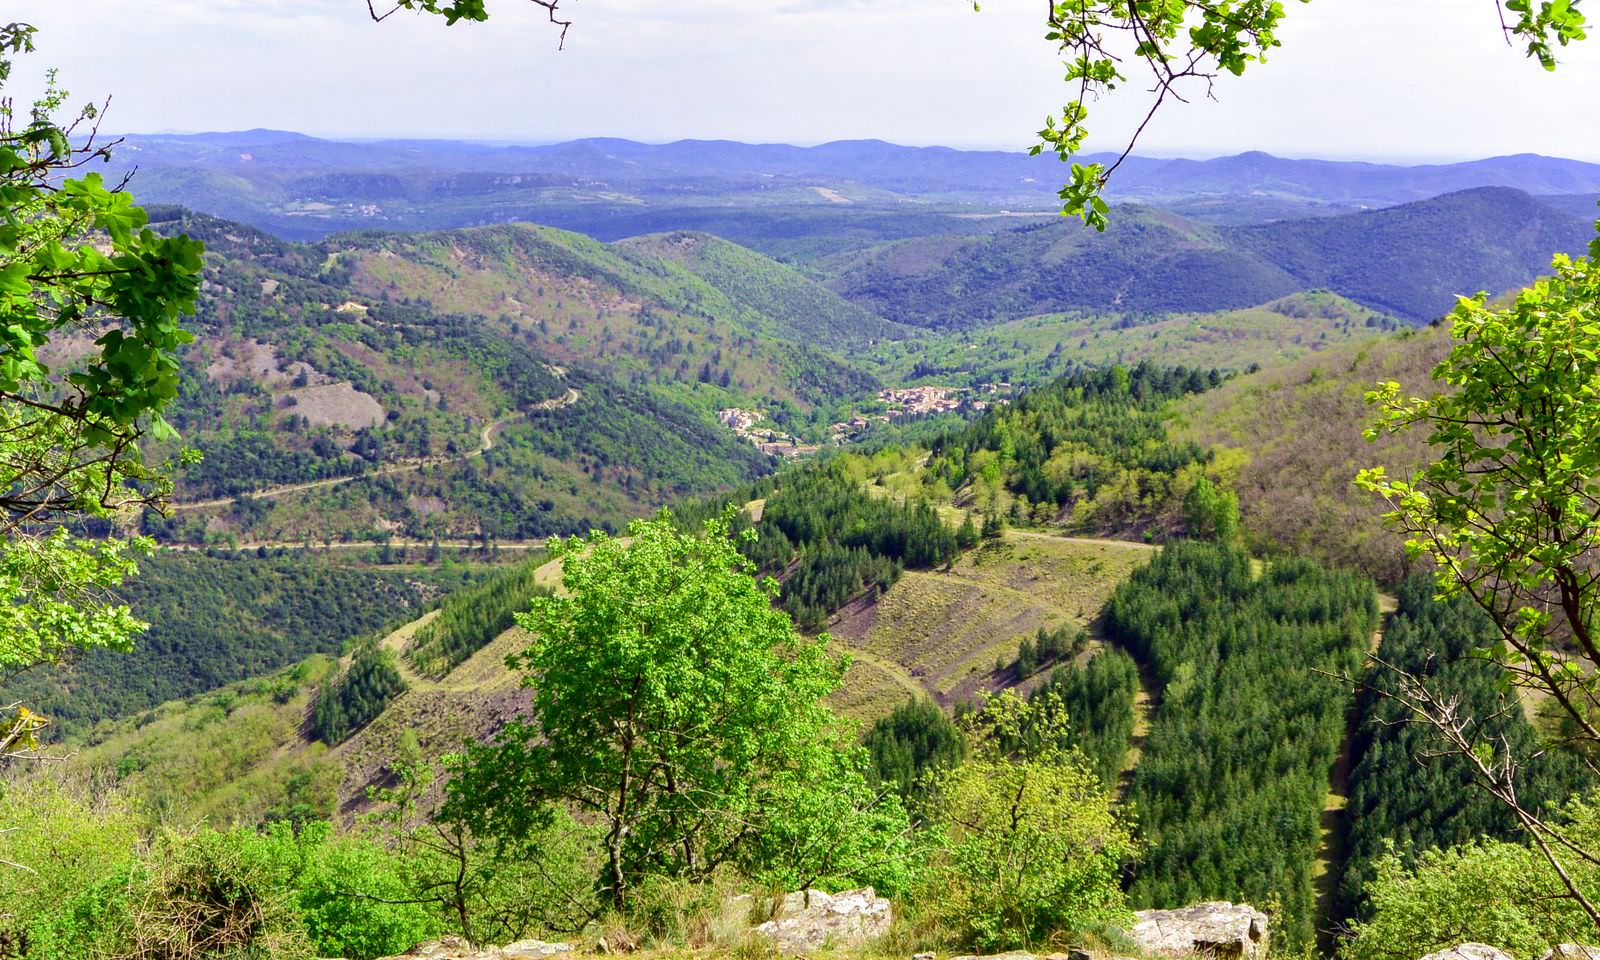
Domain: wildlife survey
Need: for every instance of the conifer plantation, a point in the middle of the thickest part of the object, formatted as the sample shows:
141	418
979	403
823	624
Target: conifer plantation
624	489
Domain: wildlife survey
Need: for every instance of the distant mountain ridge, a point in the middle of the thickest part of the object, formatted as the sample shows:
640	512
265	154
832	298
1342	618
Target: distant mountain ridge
1409	261
303	187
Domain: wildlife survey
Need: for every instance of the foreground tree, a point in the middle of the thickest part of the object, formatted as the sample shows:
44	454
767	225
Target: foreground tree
1029	845
1509	515
82	281
676	707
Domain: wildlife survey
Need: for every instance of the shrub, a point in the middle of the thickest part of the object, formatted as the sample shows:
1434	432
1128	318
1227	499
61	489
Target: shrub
1028	849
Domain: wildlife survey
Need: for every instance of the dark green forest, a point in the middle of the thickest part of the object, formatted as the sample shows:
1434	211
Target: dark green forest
215	619
1231	782
348	702
468	619
1403	792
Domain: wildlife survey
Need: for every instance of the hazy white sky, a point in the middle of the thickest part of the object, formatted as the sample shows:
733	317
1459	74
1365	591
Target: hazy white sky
1406	79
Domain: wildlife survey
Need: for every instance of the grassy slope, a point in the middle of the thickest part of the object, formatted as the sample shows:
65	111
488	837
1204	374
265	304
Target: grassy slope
1301	427
1032	349
939	632
796	307
236	753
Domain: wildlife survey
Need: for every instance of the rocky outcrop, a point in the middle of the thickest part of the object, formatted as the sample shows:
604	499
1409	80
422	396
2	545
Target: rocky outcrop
455	948
1222	930
810	921
1470	951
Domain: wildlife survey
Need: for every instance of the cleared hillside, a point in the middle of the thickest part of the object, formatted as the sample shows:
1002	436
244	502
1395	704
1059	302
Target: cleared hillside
941	632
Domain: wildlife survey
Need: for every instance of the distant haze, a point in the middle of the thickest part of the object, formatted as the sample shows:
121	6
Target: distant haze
1376	79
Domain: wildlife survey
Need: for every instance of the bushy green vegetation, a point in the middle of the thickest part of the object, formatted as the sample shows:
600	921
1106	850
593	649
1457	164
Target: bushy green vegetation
1091	449
349	701
220	618
1098	701
1485	891
1407	794
1231	782
1027	846
830	540
469	619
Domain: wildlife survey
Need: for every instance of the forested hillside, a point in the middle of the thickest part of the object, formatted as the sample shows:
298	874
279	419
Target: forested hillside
1405	800
218	619
456	417
1409	261
1296	436
1230	784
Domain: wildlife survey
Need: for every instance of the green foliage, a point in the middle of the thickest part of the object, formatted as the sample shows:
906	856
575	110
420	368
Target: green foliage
1028	850
911	744
1209	513
1407	793
351	700
469	619
215	620
1231	782
1507	509
1487	891
1093	446
707	743
75	261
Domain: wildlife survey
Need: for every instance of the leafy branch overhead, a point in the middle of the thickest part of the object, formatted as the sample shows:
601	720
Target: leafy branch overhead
1183	46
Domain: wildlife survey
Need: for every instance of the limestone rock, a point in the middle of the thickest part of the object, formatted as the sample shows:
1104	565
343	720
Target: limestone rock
455	948
1217	929
1470	951
1572	951
806	923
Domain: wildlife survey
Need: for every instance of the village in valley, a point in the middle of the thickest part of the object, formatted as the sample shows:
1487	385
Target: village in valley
752	425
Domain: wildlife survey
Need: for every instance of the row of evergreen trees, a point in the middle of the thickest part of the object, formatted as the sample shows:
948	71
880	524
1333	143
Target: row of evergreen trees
1232	781
469	619
831	540
1403	790
349	702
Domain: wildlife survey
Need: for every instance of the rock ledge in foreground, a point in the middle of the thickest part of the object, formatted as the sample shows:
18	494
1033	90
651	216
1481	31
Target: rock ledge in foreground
1226	931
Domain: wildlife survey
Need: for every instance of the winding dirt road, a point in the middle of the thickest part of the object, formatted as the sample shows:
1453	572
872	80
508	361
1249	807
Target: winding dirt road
486	439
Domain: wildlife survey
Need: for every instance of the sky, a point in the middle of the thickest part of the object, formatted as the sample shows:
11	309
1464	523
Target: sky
1403	80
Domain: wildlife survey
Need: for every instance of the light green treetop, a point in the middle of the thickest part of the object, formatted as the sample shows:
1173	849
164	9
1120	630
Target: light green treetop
675	705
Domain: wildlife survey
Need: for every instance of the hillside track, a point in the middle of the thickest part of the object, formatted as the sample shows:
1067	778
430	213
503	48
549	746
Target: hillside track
1332	853
486	441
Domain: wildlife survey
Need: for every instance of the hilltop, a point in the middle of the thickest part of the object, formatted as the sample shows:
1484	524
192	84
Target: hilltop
307	188
1409	261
